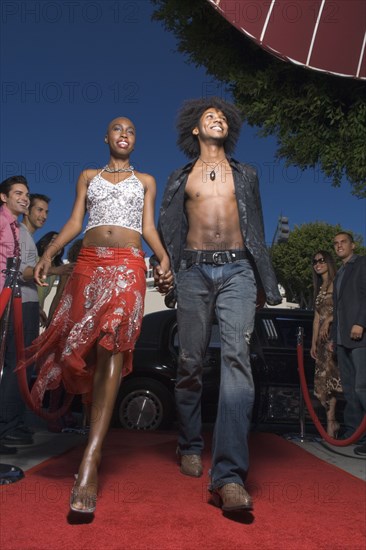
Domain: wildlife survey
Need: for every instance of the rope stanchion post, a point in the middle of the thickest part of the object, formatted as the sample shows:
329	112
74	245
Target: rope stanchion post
4	325
11	277
300	339
8	472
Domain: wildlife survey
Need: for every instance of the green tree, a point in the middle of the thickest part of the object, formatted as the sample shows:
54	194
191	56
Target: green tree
318	119
292	260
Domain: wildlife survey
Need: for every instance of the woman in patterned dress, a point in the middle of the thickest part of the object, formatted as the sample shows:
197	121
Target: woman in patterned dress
88	345
327	385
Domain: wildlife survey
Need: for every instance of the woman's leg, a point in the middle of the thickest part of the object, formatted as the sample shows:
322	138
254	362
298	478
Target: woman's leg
332	424
105	388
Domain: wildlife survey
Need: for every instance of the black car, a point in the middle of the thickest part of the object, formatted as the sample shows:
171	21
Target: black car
146	396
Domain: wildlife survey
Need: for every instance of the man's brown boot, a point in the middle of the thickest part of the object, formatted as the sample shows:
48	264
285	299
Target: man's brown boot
232	496
191	465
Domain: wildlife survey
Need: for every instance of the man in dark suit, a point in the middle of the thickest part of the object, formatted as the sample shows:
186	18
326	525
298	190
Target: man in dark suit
349	332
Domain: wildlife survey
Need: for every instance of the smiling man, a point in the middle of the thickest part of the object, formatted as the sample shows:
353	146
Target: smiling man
17	200
212	226
37	213
33	220
14	201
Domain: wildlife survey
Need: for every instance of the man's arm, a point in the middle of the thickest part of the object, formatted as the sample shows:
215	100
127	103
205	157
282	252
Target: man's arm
359	326
64	269
333	329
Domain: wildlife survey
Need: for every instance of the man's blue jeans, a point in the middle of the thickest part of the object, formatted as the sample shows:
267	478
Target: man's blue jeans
229	292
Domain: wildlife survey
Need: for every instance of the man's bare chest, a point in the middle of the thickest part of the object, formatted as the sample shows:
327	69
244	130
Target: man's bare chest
200	187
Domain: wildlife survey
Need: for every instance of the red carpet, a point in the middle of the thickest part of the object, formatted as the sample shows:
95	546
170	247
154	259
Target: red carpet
145	503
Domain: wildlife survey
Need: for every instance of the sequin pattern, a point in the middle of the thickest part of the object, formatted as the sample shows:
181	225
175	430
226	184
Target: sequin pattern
115	204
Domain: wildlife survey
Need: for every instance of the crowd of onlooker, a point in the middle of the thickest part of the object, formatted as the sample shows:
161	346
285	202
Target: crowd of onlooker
17	239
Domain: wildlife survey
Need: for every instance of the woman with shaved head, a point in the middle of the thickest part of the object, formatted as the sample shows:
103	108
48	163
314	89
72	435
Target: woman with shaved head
89	344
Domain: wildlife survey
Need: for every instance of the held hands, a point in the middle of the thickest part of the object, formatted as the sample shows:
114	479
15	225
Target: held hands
163	277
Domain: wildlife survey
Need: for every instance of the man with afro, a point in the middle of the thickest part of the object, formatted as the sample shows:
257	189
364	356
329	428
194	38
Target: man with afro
212	226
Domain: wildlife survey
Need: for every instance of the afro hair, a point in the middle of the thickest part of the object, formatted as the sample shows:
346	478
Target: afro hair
189	116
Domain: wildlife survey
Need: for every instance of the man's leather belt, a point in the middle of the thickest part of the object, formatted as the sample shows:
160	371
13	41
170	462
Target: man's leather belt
215	257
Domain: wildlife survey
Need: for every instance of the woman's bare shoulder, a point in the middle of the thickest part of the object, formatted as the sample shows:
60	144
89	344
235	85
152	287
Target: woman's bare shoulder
145	178
88	174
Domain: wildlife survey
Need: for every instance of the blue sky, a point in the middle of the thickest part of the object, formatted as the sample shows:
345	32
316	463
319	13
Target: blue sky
69	67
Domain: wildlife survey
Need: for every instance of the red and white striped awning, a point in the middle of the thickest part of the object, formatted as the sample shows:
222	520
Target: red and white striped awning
324	35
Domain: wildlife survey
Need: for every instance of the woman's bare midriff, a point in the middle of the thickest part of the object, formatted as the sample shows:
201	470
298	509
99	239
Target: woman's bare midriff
112	236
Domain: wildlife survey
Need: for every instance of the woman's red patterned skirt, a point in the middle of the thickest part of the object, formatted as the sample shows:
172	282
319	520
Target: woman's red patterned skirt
102	303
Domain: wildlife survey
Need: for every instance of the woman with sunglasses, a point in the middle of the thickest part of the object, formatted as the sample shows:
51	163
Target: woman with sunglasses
327	383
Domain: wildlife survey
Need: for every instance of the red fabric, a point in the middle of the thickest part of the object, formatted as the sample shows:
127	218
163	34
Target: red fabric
102	303
4	299
300	502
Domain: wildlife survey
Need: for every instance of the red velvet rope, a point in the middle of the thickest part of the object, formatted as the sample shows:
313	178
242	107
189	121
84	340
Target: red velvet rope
4	299
23	382
22	373
339	443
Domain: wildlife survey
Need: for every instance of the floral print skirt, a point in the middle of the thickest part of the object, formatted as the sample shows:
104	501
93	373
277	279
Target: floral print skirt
102	304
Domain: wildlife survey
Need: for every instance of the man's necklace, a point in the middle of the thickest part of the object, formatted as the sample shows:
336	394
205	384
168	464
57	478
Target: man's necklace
213	171
113	171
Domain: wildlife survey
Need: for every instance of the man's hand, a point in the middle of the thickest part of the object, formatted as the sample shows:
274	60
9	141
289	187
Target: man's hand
162	281
356	332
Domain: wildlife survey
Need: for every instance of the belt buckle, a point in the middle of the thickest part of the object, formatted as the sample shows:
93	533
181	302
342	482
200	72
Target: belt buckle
217	258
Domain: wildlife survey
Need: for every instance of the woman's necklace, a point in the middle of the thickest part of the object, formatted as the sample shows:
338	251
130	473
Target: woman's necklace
324	287
323	291
213	171
113	171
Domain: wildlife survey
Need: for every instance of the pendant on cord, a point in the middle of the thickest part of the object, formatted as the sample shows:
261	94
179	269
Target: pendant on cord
208	166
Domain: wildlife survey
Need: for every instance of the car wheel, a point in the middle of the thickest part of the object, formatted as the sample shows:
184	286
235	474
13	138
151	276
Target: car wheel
144	404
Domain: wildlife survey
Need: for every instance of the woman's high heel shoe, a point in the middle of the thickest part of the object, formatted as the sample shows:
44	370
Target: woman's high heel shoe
80	495
333	428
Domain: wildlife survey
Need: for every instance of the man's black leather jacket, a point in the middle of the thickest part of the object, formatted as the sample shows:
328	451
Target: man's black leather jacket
173	224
